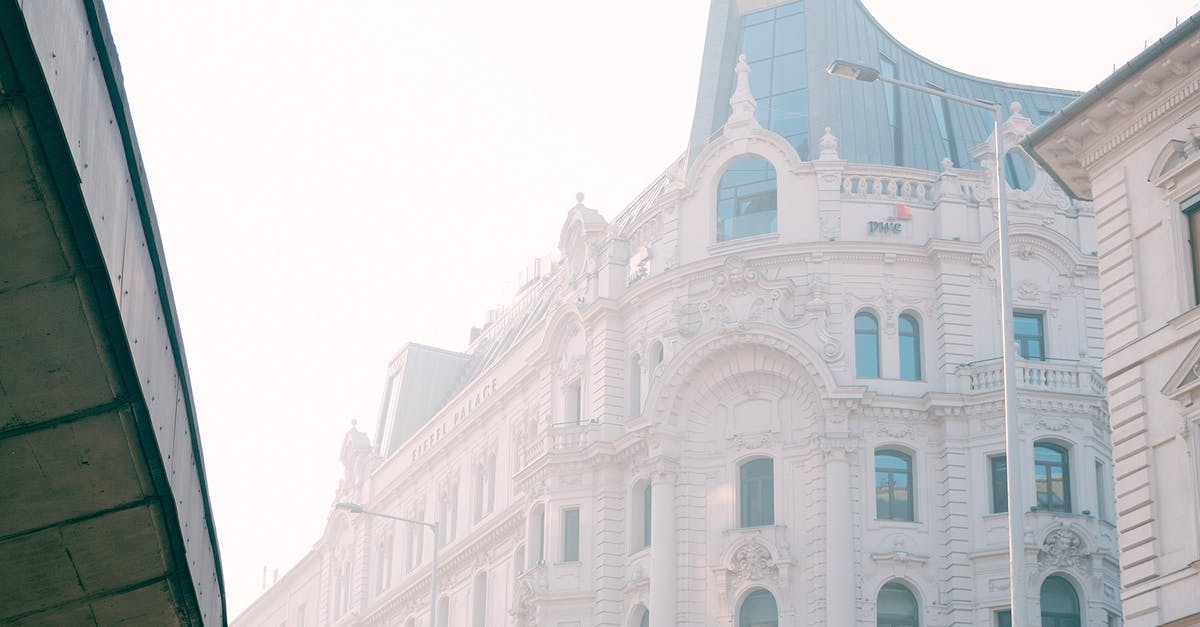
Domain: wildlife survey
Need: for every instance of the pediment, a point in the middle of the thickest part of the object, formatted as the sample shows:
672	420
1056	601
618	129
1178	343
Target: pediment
1186	378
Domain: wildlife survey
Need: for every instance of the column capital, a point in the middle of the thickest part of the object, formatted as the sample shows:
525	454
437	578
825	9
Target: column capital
837	448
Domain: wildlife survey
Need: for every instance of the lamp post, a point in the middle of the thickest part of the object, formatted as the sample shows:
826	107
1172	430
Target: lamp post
1012	449
355	508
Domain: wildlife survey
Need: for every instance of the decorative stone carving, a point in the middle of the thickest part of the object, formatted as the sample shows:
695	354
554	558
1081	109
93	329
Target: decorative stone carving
831	225
752	562
743	441
1064	548
828	145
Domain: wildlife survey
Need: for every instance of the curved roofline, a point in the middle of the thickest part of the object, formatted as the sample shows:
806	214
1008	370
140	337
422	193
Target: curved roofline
896	40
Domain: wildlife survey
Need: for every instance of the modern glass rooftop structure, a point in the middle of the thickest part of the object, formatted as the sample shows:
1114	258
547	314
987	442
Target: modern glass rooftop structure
788	46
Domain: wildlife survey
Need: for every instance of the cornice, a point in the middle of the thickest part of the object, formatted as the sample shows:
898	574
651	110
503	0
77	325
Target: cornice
1108	143
481	542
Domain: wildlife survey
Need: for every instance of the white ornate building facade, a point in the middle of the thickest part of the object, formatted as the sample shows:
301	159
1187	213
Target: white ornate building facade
768	392
1131	146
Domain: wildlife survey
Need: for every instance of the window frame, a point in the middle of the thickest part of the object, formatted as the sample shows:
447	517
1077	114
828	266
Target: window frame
1190	209
746	518
910	471
740	199
1065	464
757	593
567	557
858	372
1058	616
894	620
1040	316
918	365
998	482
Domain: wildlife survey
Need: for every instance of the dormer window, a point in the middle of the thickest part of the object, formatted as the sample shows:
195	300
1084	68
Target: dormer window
746	199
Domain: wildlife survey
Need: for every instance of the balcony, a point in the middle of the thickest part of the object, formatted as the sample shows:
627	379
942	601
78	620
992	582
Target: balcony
1061	376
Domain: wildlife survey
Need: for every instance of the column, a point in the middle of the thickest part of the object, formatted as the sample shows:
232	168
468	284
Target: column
664	564
839	539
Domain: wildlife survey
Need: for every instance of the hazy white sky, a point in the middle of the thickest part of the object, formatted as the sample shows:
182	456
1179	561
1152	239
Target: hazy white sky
333	179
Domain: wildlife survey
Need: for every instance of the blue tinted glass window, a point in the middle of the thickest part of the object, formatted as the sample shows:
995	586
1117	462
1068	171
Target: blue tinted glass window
790	8
941	114
896	607
758	17
1027	332
1060	603
757	493
789	114
893	486
773	41
746	200
999	467
759	610
910	348
571	535
866	346
789	73
758	41
1051	477
760	80
789	34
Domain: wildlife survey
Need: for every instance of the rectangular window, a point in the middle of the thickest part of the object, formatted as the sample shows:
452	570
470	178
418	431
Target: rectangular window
571	535
757	479
300	615
941	113
646	500
1028	334
1004	618
1191	210
1101	493
891	99
999	468
539	537
573	403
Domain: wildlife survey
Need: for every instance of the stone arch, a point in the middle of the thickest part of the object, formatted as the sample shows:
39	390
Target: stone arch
1028	241
760	354
564	320
715	158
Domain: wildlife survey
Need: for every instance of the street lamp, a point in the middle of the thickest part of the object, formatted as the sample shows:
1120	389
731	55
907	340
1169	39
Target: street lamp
1012	450
355	508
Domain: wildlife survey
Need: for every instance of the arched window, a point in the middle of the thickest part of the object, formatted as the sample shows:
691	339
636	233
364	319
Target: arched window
639	516
759	610
1060	603
641	618
910	348
757	493
1052	477
866	346
746	201
896	607
893	485
656	355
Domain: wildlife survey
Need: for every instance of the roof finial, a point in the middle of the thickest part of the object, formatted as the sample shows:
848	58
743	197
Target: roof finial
579	197
742	103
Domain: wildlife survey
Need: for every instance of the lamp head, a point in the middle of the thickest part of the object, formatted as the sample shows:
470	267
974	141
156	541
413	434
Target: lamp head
854	71
353	508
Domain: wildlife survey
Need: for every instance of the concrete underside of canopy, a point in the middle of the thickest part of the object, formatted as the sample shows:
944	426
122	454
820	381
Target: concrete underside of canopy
90	529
